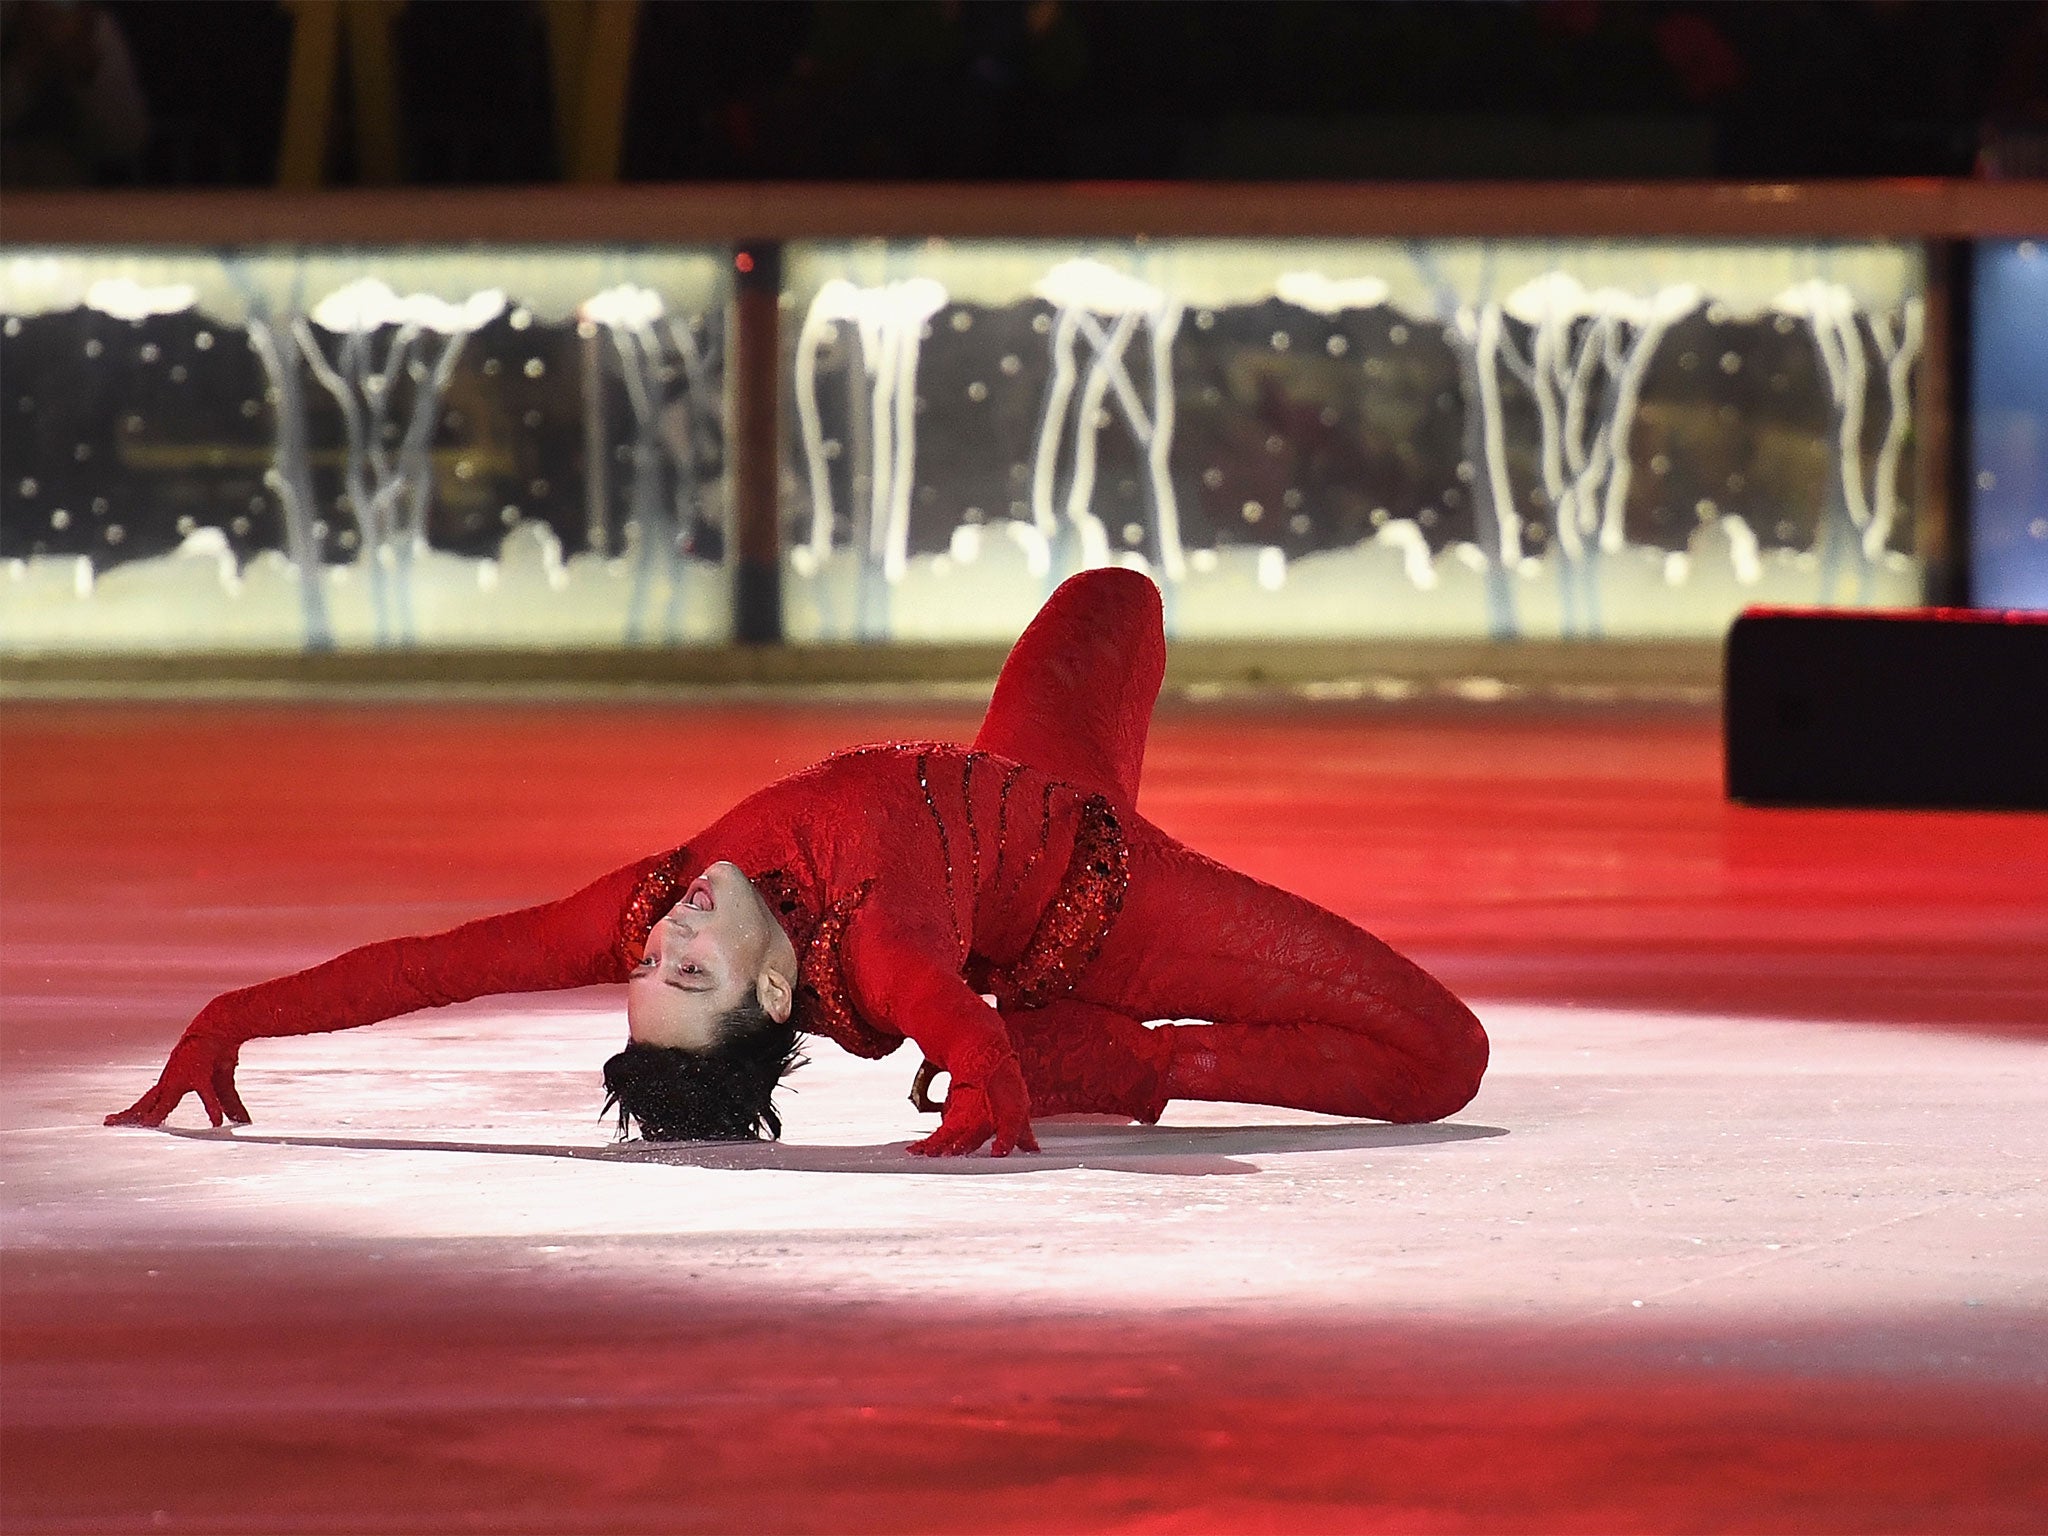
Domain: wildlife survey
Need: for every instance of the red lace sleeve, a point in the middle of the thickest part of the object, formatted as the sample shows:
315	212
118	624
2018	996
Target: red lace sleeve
592	936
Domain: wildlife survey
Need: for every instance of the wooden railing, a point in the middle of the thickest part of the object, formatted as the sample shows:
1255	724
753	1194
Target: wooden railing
1905	209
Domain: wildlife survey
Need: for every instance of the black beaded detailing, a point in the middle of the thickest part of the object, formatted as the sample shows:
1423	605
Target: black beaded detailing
825	1005
1078	918
785	899
945	846
1044	833
973	832
654	893
1016	771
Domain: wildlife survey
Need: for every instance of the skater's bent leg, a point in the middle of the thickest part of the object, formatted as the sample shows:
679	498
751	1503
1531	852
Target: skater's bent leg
1320	1067
1310	1011
1075	696
1079	1058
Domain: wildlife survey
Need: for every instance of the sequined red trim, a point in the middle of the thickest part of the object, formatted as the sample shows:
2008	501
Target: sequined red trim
1077	919
786	900
653	895
1069	935
825	1006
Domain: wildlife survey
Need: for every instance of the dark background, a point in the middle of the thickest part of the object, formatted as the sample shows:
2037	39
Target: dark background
1058	89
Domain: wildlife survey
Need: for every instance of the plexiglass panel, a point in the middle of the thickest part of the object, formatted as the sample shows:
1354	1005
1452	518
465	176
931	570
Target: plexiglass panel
2009	427
278	448
1349	438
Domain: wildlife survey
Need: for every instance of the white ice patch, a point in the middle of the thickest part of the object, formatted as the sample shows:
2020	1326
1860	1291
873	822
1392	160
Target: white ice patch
1709	1167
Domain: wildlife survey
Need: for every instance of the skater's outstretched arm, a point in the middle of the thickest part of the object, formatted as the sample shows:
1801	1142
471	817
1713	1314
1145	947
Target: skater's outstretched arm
590	937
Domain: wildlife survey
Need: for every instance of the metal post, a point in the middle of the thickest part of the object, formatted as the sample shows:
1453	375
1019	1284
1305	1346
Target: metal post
309	93
1943	436
597	491
755	382
1962	477
373	80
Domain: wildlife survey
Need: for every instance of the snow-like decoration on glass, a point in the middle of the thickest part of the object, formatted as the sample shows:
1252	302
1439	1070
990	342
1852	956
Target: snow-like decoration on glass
126	299
889	321
390	492
1300	438
1355	438
676	409
1859	522
302	448
1105	308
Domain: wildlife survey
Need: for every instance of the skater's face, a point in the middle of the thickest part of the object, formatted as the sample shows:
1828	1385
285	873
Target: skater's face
714	947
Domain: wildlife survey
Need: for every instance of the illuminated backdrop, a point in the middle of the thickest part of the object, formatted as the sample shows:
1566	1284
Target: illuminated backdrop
1350	438
279	448
2009	427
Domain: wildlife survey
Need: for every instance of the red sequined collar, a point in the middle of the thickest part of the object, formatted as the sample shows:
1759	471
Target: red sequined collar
653	895
1069	935
824	1006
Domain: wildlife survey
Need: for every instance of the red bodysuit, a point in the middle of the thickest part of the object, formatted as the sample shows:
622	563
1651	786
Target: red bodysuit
913	878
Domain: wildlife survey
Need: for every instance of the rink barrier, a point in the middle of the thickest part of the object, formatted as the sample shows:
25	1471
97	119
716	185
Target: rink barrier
751	221
1472	671
1921	208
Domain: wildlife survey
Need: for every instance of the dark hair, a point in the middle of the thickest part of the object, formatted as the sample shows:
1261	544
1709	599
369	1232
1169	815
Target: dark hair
725	1093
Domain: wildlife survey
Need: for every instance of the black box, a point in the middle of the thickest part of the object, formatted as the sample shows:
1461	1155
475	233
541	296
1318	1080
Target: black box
1926	707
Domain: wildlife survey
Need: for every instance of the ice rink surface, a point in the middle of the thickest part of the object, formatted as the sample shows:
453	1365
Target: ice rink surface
1746	1230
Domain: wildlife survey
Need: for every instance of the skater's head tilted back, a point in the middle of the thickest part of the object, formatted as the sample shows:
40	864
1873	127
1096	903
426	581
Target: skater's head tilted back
708	955
709	1009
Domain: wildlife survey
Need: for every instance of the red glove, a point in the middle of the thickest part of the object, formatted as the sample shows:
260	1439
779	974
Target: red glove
907	976
592	936
202	1062
986	1097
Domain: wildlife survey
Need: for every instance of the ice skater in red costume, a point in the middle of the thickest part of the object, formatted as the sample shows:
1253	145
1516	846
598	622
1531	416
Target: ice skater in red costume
888	892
